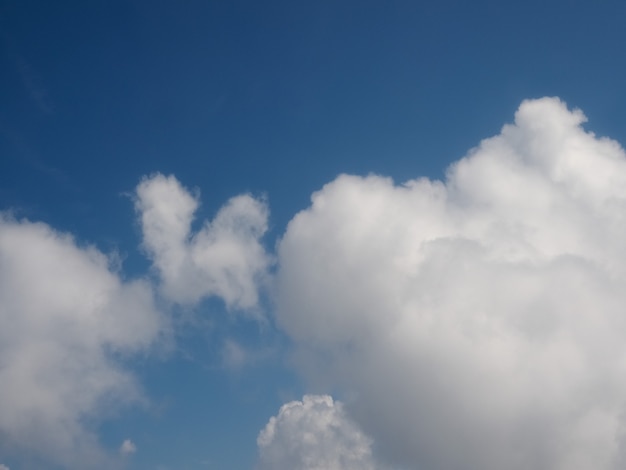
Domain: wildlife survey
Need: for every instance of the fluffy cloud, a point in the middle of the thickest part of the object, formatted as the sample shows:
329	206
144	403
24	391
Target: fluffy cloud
3	467
475	323
224	258
128	447
67	320
313	434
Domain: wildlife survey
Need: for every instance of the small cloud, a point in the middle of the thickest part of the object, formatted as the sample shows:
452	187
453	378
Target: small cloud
225	258
312	434
128	447
3	467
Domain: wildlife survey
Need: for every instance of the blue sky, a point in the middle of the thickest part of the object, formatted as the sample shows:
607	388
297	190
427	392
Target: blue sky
275	100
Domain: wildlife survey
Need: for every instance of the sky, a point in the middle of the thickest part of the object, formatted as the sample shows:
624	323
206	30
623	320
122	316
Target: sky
312	235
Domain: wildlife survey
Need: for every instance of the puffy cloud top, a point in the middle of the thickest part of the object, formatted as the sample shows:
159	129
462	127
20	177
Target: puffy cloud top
476	323
128	447
313	434
225	258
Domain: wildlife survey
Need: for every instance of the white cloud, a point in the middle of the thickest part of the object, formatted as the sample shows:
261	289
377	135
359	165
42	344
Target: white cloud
128	447
3	467
67	320
476	323
224	258
313	434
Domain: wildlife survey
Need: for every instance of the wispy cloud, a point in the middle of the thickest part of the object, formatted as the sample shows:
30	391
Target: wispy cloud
128	447
34	86
31	80
25	152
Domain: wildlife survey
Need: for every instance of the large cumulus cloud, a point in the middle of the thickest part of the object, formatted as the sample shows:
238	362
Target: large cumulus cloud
67	322
476	323
224	258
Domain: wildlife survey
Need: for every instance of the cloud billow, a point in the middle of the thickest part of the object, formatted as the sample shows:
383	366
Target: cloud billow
474	323
314	434
224	258
68	321
128	447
